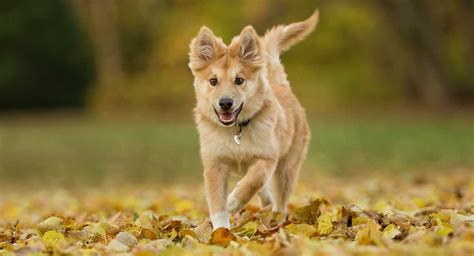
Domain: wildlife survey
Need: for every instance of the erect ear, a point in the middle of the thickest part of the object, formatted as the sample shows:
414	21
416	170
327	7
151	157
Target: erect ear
250	46
203	49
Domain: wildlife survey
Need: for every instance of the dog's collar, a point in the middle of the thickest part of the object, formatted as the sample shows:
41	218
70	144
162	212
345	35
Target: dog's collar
243	123
237	135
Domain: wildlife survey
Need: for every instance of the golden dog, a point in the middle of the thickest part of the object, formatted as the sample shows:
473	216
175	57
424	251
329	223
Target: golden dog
247	117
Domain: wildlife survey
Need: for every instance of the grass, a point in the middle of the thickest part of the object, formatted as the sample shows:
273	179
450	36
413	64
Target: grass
76	151
79	185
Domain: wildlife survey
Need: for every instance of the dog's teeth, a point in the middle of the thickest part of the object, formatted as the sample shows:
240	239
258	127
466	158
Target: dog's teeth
226	117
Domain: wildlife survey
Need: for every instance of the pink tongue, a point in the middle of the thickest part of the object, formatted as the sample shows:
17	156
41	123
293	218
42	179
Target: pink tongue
226	116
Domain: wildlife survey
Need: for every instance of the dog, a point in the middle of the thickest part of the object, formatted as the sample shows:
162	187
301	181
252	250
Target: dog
247	117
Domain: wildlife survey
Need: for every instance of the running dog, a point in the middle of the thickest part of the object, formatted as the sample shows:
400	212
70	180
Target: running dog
248	118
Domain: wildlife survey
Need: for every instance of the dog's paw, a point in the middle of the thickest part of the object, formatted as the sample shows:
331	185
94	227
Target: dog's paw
233	204
278	218
220	220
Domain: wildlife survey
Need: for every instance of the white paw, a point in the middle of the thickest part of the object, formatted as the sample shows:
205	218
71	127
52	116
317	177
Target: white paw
220	220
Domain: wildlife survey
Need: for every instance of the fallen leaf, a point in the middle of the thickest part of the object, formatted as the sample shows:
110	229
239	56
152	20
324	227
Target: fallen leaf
310	213
325	225
248	230
222	237
52	223
301	229
148	234
126	239
116	247
382	206
370	234
52	238
391	231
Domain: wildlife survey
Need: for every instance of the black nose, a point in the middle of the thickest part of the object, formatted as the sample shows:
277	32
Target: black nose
226	103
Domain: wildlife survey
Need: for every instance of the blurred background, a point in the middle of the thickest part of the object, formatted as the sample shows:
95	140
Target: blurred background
95	92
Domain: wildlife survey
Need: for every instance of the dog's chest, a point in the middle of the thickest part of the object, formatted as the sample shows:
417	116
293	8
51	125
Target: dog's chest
255	141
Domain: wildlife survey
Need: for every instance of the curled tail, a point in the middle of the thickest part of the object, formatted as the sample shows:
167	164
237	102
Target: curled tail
281	38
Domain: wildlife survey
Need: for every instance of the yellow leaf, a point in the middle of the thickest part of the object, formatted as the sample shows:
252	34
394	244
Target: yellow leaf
301	229
359	220
222	237
95	229
309	213
445	229
53	239
173	234
391	231
248	230
442	217
370	234
148	234
187	232
52	223
325	226
382	207
145	220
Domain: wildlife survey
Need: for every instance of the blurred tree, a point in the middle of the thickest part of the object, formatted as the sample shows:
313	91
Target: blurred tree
466	10
44	58
424	30
363	53
101	20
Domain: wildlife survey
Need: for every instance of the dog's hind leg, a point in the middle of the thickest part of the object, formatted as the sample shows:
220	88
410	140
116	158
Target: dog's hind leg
265	194
287	171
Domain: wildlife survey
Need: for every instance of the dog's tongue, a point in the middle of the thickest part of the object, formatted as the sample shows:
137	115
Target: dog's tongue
226	116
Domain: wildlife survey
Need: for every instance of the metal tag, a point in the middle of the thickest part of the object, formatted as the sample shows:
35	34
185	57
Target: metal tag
237	138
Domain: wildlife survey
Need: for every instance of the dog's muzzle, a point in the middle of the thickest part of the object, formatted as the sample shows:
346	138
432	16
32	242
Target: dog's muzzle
228	118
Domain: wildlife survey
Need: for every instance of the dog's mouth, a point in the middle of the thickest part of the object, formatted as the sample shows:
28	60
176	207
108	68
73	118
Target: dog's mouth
229	117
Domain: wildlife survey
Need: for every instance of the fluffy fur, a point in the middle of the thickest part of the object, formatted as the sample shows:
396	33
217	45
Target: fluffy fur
274	143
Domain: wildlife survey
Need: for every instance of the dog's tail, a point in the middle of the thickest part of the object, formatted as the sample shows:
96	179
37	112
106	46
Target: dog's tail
281	38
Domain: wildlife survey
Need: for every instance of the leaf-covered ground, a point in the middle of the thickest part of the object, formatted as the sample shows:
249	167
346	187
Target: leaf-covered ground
425	214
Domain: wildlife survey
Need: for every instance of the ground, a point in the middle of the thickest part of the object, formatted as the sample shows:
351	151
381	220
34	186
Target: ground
422	215
368	187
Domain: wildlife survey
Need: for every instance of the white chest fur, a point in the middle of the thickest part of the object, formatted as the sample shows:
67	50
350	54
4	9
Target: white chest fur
257	139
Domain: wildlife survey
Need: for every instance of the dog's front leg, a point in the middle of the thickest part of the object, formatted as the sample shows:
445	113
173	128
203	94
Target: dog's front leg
257	175
215	182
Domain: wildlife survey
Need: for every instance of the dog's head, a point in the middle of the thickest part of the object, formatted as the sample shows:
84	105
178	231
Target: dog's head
228	80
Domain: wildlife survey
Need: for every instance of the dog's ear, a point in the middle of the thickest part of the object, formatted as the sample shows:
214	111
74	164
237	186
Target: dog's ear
203	49
250	50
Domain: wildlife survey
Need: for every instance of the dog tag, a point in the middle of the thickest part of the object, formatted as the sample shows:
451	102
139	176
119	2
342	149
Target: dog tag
237	138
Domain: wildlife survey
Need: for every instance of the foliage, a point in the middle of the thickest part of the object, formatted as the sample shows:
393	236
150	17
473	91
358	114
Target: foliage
427	215
44	58
375	52
383	53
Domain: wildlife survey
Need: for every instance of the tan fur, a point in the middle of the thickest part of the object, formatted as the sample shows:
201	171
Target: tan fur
274	143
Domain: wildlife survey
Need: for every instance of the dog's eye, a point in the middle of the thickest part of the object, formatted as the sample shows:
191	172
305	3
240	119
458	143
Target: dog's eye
213	81
239	81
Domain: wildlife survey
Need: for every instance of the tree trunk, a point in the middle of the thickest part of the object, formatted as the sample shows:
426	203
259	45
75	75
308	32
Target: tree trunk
417	28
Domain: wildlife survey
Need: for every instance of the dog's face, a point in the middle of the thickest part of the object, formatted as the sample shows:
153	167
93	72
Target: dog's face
227	79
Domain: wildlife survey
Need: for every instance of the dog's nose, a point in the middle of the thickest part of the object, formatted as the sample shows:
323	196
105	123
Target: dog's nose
226	103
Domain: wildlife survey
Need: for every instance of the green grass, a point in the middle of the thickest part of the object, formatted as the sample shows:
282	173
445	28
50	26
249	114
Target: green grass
85	151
